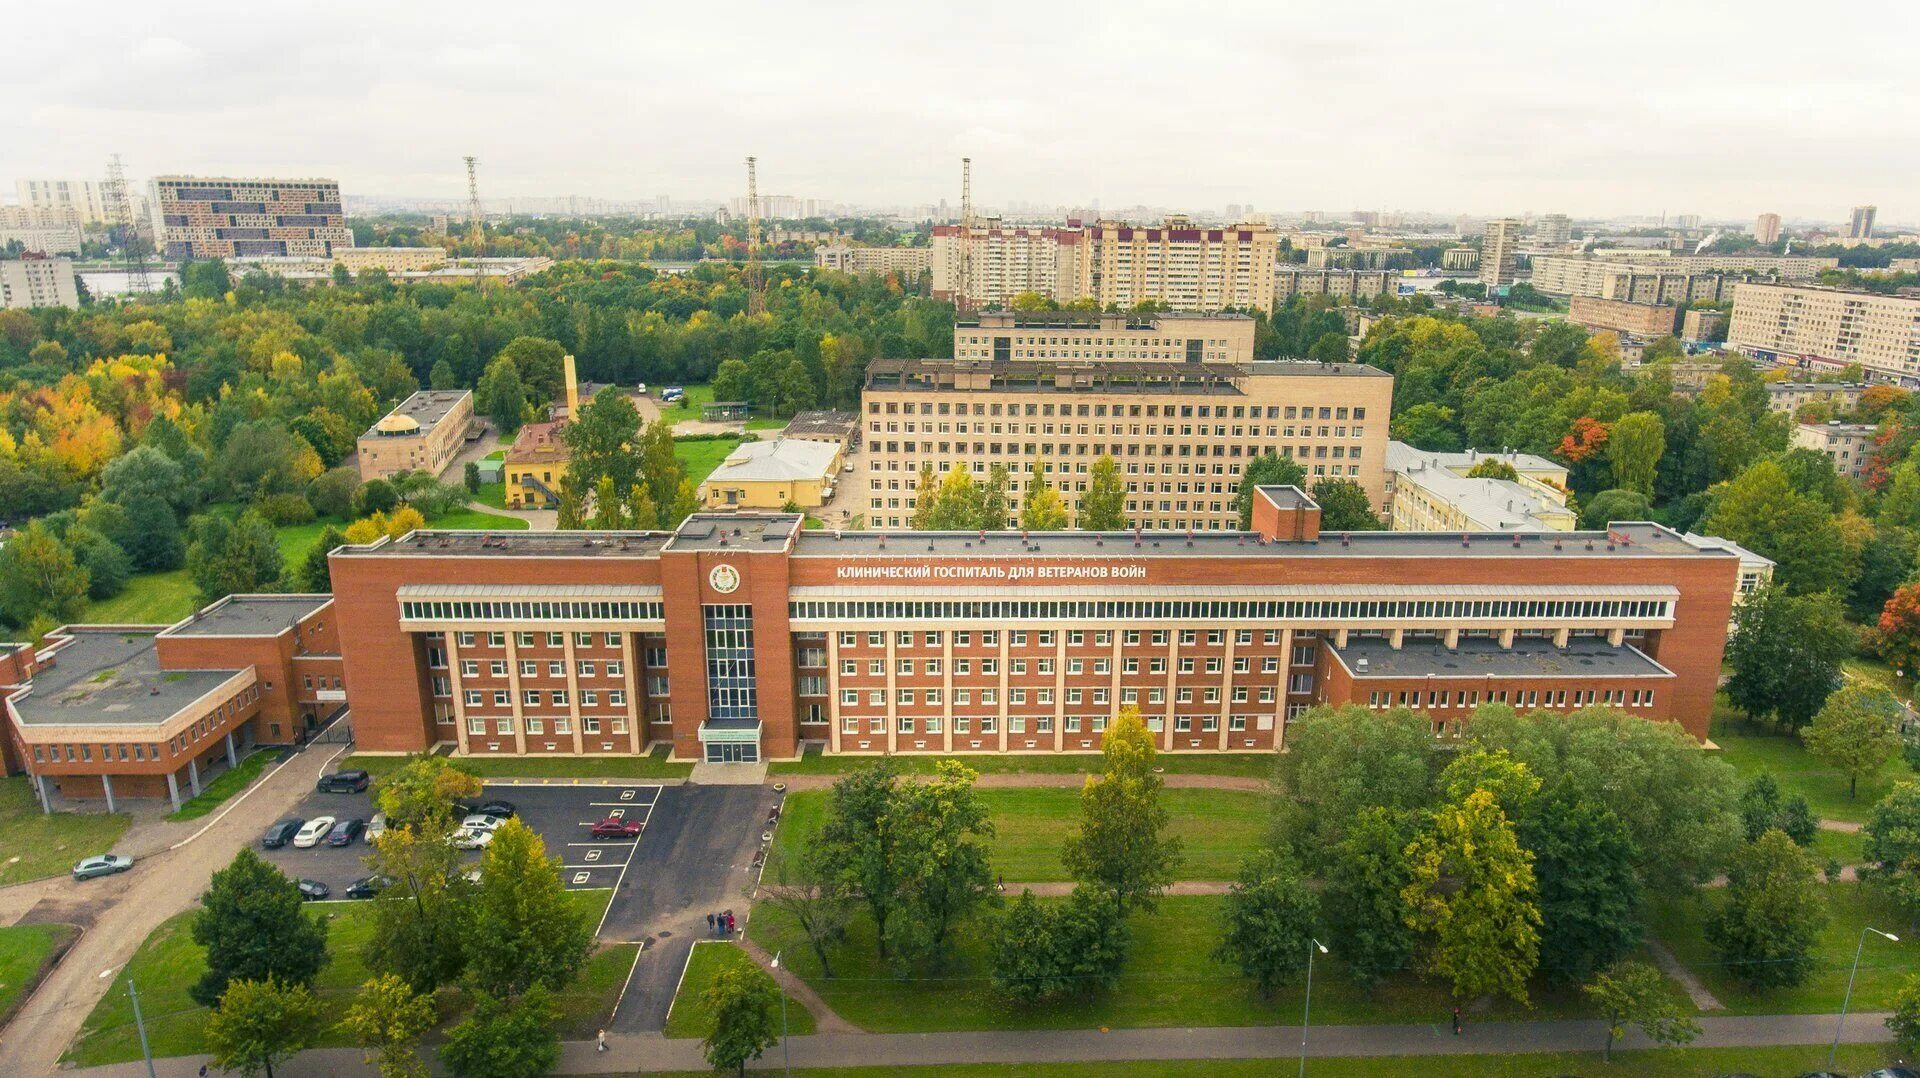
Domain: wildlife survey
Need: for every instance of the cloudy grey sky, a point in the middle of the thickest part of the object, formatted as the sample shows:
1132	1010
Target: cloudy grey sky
1723	109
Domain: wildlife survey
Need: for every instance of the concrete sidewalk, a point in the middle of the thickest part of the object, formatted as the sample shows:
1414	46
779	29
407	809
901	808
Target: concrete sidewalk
652	1053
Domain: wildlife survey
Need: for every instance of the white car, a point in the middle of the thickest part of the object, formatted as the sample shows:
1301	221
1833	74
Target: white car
482	822
376	826
313	832
470	838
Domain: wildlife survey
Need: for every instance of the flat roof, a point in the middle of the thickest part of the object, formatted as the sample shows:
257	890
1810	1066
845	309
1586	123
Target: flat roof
822	423
427	407
1167	377
110	677
249	615
781	460
750	532
517	544
1583	657
1287	496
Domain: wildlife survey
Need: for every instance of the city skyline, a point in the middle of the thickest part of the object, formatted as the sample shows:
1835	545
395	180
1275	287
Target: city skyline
1599	126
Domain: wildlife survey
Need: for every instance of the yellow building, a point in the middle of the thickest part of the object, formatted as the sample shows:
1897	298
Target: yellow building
535	467
769	475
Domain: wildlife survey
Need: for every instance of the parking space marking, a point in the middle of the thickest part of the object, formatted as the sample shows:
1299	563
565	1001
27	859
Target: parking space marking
622	877
582	877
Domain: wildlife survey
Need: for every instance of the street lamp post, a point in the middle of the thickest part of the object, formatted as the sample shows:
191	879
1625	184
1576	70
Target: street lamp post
1848	998
1306	1014
786	1050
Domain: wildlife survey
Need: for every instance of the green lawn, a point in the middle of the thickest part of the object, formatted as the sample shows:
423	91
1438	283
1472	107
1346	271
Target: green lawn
689	1017
168	962
1678	922
470	519
759	423
1824	787
150	599
492	494
1878	672
1258	765
1217	828
225	785
702	457
24	949
34	844
656	765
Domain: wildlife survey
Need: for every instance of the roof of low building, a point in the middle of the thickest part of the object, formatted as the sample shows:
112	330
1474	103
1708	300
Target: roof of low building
249	615
841	423
1583	657
109	677
419	413
783	460
538	443
1714	542
1492	504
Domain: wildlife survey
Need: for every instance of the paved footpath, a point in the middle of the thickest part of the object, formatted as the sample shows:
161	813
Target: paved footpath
651	1052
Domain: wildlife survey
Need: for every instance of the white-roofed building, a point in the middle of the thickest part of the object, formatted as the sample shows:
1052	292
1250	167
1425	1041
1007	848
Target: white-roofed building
1429	492
770	475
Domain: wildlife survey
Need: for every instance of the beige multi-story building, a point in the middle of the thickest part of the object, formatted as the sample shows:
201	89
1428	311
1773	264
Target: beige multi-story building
37	282
1703	324
1789	396
56	240
1829	326
82	203
391	259
1626	282
1354	257
1639	319
1553	230
1904	265
1290	281
224	217
1848	445
423	434
1766	228
1459	259
1860	222
1785	267
1499	252
1190	338
1434	492
1112	263
1181	433
847	258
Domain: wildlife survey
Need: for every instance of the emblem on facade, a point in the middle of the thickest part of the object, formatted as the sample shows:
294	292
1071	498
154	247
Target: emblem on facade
724	578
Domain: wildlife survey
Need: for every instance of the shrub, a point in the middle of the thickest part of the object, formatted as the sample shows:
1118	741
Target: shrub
281	510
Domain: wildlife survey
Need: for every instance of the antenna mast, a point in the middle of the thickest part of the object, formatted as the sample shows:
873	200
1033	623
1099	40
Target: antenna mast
756	285
133	243
963	294
476	231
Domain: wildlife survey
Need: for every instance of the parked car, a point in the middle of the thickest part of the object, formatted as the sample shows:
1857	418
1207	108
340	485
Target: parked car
642	387
614	827
376	826
281	833
346	831
314	890
311	834
483	821
367	886
503	809
104	865
343	782
470	838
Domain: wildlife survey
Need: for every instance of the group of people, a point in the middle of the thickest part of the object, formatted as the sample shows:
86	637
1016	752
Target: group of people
720	924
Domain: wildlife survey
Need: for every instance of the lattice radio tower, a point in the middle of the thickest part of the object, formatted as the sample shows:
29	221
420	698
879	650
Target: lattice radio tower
756	281
963	288
476	228
133	242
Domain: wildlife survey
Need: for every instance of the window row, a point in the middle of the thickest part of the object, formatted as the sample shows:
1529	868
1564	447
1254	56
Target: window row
548	610
1232	610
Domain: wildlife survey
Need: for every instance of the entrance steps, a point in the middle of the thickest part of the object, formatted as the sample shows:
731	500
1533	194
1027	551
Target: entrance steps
705	774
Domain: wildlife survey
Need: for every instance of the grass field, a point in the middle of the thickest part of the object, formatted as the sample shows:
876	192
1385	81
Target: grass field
1217	828
1258	765
653	766
150	599
225	785
34	844
1825	788
493	495
24	949
702	457
168	962
758	423
689	1017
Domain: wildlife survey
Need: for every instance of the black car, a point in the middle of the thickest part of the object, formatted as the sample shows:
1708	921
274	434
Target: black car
367	886
503	809
343	782
314	890
346	831
281	833
1892	1072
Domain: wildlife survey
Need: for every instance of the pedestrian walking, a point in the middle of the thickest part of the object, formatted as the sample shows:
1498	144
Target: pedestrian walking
1456	1021
729	922
709	924
600	1045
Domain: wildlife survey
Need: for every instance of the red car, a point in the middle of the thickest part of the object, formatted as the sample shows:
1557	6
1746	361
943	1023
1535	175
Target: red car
615	827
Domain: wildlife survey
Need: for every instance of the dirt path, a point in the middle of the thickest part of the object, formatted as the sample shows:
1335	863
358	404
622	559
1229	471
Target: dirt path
825	1019
1669	965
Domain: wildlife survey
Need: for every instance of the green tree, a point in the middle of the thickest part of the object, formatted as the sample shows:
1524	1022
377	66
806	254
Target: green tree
1103	508
421	920
150	534
1265	470
1857	730
1512	785
1610	505
608	512
421	793
641	512
375	496
1892	846
1766	929
1345	507
1041	510
254	927
1365	903
732	381
503	1038
107	566
1904	1021
1026	961
233	557
525	931
442	376
938	826
1785	652
957	507
39	577
1762	809
388	1018
316	573
1761	511
1494	468
1030	302
1270	917
816	898
1482	922
1427	426
994	507
144	472
1121	846
1635	444
260	1023
501	396
1583	861
1342	761
1329	348
926	497
1635	994
798	391
602	442
541	365
859	838
742	1000
470	477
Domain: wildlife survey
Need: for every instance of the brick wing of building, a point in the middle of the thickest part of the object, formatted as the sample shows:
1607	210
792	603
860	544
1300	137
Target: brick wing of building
743	636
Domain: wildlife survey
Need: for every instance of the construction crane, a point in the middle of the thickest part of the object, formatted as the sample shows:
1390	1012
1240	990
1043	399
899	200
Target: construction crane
756	283
133	243
476	230
963	287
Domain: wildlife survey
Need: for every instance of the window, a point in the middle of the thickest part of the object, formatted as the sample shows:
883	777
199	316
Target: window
616	668
524	640
498	668
529	668
530	698
617	697
473	697
613	640
556	640
586	668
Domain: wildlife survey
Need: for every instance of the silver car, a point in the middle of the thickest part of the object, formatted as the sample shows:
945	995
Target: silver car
104	865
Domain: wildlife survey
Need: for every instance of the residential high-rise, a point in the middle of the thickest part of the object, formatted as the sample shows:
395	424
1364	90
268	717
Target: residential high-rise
37	282
1190	338
1499	251
1553	230
1766	228
1113	263
74	202
1860	223
1831	327
221	217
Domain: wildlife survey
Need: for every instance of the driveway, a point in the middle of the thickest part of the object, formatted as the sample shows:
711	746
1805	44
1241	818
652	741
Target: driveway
119	912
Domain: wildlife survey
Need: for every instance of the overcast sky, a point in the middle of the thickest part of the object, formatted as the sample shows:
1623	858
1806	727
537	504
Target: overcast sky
1723	109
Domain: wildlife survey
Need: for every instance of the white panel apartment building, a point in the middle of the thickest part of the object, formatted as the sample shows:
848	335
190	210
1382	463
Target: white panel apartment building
1829	327
848	258
1186	268
1188	338
73	202
37	282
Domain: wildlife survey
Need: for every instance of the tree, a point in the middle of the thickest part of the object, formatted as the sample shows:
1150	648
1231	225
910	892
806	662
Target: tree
107	566
1041	510
1270	917
1892	846
233	557
1785	652
144	472
1761	511
608	512
1366	877
926	497
1103	508
442	376
1765	930
541	364
1857	730
1427	426
957	507
1904	1021
1512	785
1121	847
260	1023
1635	994
254	926
1610	505
797	389
1345	507
1583	861
525	930
421	920
421	793
1494	468
1635	445
1473	895
1265	470
1030	302
1762	809
1342	761
732	381
1900	629
641	512
331	492
814	897
388	1018
470	477
742	1000
150	534
1886	561
39	577
503	1038
375	496
1026	960
316	573
501	396
602	442
1329	348
938	826
857	838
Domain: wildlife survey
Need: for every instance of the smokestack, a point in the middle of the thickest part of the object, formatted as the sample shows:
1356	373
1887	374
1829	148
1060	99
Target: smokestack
573	388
